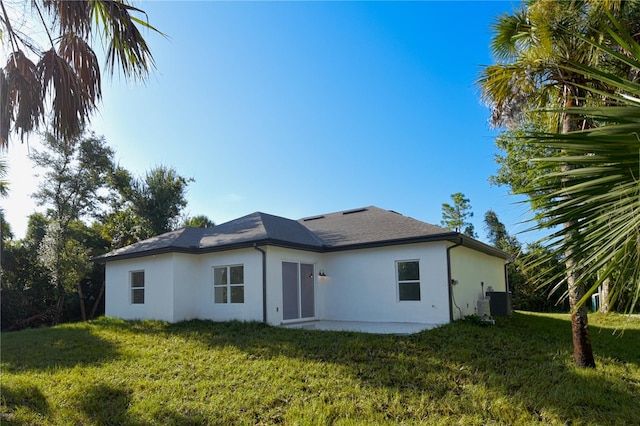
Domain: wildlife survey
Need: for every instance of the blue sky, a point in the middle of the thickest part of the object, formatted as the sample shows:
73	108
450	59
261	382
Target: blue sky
302	108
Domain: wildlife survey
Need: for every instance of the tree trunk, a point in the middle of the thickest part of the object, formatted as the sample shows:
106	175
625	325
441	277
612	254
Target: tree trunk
57	315
97	302
604	295
582	350
83	311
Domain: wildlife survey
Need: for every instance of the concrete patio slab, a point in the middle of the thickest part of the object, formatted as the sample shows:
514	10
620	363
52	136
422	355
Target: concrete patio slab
401	328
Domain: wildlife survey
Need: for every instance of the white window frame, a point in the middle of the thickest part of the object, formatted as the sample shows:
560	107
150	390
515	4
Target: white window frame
133	288
399	282
228	285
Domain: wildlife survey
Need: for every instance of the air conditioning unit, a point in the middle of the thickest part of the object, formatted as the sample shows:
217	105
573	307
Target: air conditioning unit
500	303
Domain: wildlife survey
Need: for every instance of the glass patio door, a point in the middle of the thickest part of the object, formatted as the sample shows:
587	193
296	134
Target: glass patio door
298	293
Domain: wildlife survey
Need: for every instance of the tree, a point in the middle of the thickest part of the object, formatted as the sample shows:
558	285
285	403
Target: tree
76	170
28	298
64	69
602	183
160	197
455	216
66	260
200	221
26	293
123	227
537	266
498	235
524	279
583	188
500	238
146	206
533	47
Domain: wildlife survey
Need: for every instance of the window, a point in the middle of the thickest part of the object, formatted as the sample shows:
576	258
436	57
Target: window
408	280
228	284
137	287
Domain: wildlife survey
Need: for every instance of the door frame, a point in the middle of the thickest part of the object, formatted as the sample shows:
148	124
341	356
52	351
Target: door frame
299	264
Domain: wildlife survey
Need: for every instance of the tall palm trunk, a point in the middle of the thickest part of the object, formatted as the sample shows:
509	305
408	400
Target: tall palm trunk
582	351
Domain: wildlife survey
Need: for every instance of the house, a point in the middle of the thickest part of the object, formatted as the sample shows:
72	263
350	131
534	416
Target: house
366	264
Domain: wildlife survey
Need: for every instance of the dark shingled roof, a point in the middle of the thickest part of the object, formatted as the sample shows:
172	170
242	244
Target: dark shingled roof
260	227
368	225
350	229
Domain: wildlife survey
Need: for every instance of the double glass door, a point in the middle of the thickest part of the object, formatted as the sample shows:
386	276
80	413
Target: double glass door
298	295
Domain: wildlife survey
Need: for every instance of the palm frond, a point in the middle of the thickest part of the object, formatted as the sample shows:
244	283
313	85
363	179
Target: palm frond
512	34
24	101
71	16
77	52
70	107
5	111
595	202
71	78
127	49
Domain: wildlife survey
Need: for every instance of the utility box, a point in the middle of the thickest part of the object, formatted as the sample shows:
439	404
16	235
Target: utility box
483	308
500	303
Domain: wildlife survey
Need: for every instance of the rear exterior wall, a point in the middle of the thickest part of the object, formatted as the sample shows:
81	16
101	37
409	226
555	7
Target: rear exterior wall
361	285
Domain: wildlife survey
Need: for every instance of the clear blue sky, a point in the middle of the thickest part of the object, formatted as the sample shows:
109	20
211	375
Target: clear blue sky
302	108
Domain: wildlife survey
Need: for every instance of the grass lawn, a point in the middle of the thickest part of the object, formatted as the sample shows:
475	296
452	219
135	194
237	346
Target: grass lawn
145	373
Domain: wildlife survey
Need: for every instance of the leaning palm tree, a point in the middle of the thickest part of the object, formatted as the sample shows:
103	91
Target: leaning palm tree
599	196
64	70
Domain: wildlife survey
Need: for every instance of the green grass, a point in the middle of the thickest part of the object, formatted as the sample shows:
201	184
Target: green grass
145	373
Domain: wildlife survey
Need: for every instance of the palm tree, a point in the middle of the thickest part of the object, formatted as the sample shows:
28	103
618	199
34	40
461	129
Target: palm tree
66	72
599	195
534	48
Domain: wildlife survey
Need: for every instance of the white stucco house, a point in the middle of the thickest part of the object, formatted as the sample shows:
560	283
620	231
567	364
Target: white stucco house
366	264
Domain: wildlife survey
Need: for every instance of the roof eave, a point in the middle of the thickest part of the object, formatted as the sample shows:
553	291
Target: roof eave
472	243
453	237
212	249
153	252
394	242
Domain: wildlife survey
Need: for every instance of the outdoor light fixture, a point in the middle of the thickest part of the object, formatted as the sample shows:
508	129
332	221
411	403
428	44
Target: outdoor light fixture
321	273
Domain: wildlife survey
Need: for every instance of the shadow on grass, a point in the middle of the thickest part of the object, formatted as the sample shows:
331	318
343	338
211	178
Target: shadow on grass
58	347
521	365
525	360
29	398
105	404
